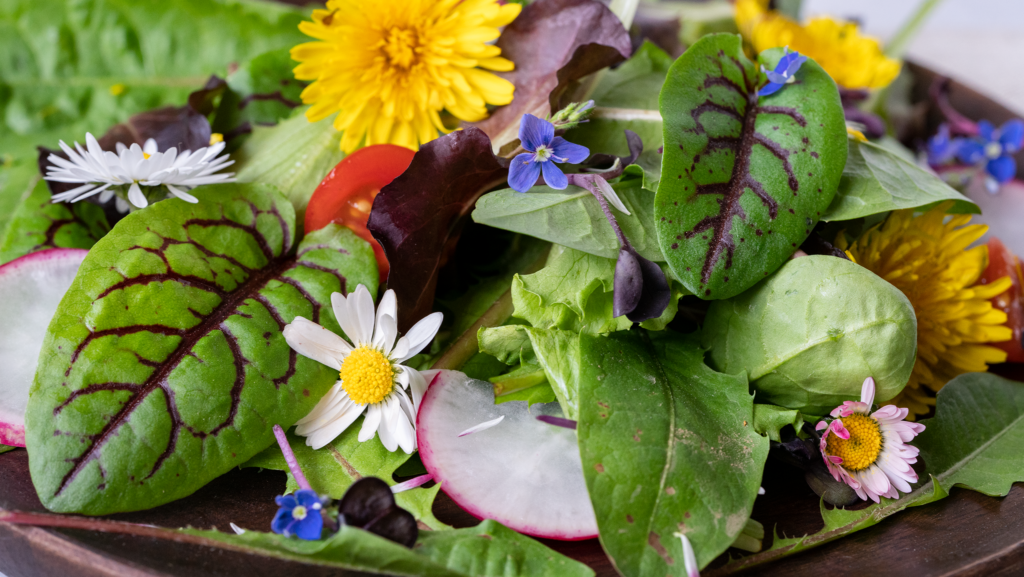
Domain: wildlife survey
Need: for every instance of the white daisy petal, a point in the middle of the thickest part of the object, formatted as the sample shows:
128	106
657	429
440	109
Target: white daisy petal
360	311
315	342
335	395
136	197
405	432
418	382
182	194
321	437
370	422
384	334
388	423
421	334
340	305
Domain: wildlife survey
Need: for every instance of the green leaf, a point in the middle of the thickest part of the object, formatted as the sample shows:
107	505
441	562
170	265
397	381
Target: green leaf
573	292
5	449
744	179
332	469
667	448
294	156
770	419
165	365
809	335
573	218
350	548
537	394
263	90
627	99
877	180
18	177
510	344
39	224
973	441
490	548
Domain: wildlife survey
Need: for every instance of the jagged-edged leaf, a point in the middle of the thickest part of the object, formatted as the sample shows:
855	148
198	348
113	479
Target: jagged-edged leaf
165	365
490	548
39	224
770	419
876	180
744	179
332	470
295	155
573	218
973	441
667	448
263	90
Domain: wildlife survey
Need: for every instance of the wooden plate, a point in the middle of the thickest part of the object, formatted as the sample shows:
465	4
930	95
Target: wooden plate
964	535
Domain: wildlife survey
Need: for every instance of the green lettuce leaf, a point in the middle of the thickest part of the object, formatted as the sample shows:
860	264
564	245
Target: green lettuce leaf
294	156
573	218
573	292
744	178
667	448
973	441
770	419
332	470
39	224
164	365
809	335
490	548
877	180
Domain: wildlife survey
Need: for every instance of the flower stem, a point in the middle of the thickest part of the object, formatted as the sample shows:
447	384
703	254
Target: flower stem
589	184
897	46
289	457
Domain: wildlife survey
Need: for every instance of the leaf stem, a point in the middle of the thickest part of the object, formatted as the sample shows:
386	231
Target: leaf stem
289	457
897	46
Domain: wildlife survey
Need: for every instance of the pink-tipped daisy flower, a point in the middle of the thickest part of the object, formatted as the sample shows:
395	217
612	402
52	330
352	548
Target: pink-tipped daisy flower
869	451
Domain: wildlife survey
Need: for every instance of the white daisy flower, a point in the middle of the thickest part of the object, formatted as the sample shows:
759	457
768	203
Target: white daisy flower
373	380
103	172
868	451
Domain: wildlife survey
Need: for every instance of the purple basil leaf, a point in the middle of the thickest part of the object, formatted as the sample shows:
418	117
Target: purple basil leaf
419	216
655	294
629	283
553	44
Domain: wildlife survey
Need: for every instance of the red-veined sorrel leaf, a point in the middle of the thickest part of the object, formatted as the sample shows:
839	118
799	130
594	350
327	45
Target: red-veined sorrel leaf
553	43
419	216
39	224
744	179
165	366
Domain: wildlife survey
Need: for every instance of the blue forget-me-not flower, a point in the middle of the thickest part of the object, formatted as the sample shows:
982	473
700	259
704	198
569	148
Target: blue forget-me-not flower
994	148
784	72
299	515
545	149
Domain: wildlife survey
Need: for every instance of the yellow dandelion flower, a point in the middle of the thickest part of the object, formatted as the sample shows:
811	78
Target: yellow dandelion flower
389	68
927	257
854	61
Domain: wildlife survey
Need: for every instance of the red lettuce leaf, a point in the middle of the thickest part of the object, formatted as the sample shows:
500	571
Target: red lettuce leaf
419	216
553	43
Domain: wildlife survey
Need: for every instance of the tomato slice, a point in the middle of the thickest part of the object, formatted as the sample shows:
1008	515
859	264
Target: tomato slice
345	196
1002	262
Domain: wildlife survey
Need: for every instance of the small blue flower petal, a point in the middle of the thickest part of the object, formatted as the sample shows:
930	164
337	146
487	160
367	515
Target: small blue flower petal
308	498
971	152
1002	169
523	172
794	64
568	151
1011	135
286	501
535	132
986	130
311	527
282	521
770	88
553	176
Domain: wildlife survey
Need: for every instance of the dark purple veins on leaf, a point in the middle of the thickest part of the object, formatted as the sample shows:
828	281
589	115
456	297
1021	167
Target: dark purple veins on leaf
247	291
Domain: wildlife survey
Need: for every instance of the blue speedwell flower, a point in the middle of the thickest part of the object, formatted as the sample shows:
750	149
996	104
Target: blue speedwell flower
545	149
784	72
994	148
299	515
942	148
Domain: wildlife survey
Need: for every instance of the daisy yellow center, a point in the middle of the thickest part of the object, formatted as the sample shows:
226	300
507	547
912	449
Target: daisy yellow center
299	513
389	69
146	155
367	376
863	446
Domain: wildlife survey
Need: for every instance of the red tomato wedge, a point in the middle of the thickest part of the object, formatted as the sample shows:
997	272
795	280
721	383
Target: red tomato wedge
1001	262
345	196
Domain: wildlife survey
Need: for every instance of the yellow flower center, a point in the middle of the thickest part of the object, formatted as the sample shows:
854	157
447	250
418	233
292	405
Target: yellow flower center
863	446
367	376
146	155
400	46
299	513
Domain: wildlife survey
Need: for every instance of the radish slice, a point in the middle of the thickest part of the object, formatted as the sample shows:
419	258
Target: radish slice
521	472
31	287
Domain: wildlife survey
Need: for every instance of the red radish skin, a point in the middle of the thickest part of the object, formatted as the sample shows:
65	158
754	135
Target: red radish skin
453	403
31	287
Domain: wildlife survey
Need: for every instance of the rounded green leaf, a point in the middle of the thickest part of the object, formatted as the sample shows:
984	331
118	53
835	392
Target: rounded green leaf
744	178
811	333
165	365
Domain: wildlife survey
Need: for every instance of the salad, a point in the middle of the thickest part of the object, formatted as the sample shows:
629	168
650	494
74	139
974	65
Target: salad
584	276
